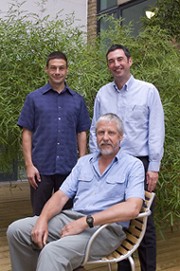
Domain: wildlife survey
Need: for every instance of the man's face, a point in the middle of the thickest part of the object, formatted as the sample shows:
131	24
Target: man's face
108	137
57	71
118	64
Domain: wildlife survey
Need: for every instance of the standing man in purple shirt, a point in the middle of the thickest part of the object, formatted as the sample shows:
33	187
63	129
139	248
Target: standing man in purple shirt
139	106
54	121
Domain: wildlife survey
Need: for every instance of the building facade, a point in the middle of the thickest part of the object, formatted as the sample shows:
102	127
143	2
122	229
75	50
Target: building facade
128	10
51	8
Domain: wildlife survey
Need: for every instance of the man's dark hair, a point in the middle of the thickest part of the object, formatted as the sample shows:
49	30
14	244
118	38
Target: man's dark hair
56	55
119	46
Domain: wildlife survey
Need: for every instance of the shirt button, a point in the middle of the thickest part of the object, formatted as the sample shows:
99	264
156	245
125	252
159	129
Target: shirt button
59	118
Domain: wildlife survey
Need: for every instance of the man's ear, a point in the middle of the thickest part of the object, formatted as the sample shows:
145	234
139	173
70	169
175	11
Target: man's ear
120	138
130	61
45	69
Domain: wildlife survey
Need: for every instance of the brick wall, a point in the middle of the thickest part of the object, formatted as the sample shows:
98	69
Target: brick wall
92	19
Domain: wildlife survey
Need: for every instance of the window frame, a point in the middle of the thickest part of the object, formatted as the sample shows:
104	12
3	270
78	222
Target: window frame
118	9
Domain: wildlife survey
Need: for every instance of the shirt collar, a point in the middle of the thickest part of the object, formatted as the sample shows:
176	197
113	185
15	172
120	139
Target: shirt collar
48	87
126	86
130	82
96	154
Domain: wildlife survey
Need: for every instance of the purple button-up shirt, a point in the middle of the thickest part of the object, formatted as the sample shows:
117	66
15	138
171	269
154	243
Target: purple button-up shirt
54	119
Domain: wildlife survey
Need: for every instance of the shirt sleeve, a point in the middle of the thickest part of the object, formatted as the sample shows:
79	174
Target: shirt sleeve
135	187
156	131
84	119
26	118
92	137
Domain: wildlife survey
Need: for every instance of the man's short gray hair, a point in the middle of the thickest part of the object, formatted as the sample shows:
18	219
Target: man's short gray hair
112	117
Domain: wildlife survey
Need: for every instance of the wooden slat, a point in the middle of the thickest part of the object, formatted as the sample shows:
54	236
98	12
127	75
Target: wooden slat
127	245
134	231
131	238
137	224
122	250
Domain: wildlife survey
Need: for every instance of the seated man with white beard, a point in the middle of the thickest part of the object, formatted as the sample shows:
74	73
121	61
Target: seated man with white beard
107	187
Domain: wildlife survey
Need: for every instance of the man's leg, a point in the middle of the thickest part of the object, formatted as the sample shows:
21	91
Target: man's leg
41	195
63	254
124	266
147	248
48	185
58	180
67	254
23	255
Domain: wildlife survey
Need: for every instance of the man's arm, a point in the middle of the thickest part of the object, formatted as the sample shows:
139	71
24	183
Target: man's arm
82	143
123	211
151	179
31	171
156	131
92	135
155	139
52	207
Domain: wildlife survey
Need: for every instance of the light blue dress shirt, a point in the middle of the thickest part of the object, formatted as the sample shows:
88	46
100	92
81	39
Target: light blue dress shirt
139	106
94	192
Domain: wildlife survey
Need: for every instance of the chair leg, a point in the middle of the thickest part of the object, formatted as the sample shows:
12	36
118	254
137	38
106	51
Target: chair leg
109	266
131	260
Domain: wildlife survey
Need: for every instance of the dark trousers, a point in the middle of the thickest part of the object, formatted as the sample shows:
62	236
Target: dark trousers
48	185
147	248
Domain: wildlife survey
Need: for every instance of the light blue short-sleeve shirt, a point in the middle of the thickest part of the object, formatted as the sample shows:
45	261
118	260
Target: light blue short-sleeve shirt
94	192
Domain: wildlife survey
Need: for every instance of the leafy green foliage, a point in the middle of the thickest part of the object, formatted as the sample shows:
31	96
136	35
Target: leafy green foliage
25	41
167	17
24	45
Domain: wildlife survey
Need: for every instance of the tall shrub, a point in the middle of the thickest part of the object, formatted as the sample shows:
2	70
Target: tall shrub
166	16
25	41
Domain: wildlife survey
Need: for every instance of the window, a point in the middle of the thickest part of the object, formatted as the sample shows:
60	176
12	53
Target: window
103	24
106	4
134	12
130	11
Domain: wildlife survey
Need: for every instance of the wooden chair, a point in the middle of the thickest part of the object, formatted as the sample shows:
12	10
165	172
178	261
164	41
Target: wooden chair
134	235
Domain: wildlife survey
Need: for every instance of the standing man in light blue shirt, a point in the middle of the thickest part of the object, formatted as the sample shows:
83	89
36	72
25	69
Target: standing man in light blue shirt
139	106
107	187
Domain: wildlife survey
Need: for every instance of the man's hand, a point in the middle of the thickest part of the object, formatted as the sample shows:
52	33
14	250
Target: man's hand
152	179
74	227
33	176
39	233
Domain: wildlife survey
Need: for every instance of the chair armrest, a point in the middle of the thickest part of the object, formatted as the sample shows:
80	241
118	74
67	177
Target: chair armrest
88	248
143	214
91	240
